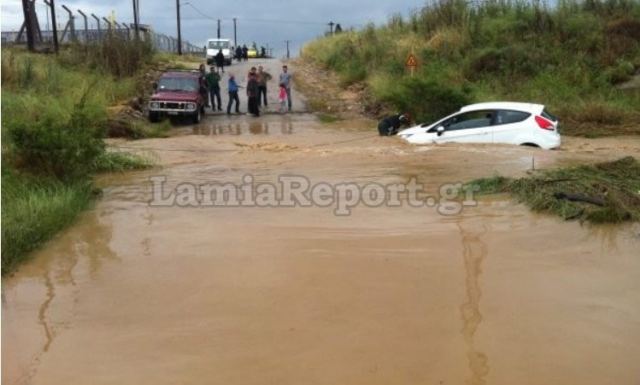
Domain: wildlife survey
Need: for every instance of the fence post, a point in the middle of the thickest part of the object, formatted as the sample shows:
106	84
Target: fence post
108	24
98	24
71	25
86	26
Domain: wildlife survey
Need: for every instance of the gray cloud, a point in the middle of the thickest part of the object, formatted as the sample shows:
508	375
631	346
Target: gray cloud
265	22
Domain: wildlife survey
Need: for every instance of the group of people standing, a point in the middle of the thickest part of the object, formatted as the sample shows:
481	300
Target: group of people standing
256	88
242	53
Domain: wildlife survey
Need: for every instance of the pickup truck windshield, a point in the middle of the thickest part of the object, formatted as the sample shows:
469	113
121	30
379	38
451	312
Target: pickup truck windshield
218	44
178	84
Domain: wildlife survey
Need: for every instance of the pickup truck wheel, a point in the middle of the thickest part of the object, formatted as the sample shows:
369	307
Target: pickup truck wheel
154	117
197	116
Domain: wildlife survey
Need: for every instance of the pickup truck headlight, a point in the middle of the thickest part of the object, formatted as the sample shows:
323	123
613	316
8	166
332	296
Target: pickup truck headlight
154	105
191	106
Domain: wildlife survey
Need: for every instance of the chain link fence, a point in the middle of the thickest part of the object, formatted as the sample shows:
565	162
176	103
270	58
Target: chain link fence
84	28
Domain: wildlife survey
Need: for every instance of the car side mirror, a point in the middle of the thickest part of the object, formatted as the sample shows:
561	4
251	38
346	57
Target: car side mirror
440	130
155	86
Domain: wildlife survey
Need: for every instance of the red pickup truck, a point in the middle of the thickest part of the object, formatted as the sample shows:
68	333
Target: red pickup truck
177	93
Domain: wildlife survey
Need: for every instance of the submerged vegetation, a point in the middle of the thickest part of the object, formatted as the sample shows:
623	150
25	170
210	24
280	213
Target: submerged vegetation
54	119
571	57
606	192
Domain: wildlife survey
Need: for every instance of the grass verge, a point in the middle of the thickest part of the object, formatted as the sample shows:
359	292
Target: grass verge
606	192
55	117
33	210
121	161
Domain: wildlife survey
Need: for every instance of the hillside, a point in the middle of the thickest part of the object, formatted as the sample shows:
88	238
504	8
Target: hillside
572	57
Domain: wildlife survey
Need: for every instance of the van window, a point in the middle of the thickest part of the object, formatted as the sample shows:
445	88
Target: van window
467	120
218	44
508	117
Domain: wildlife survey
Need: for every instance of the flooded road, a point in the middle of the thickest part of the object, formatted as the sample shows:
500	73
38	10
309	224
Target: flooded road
134	294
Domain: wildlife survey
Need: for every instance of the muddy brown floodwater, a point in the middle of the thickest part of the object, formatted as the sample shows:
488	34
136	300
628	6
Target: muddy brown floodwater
133	294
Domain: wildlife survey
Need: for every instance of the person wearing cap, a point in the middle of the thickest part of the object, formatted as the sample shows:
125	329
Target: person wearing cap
391	124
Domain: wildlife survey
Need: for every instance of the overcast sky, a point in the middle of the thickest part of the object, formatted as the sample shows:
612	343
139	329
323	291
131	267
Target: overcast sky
265	22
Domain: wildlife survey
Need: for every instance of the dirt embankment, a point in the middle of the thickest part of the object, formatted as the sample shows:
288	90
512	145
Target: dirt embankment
329	98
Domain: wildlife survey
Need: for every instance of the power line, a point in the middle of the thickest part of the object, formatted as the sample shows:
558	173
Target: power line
279	21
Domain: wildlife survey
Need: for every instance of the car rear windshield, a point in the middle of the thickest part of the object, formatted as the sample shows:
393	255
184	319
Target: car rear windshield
178	84
548	115
218	44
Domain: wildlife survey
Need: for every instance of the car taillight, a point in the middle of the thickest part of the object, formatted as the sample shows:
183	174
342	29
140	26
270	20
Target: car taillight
544	123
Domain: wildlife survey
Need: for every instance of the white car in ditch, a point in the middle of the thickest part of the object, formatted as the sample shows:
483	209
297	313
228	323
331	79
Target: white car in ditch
495	122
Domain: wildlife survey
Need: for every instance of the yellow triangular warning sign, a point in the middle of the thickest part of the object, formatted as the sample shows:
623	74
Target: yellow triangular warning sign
411	61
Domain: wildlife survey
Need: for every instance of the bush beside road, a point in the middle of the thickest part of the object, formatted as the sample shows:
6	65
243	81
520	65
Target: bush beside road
55	117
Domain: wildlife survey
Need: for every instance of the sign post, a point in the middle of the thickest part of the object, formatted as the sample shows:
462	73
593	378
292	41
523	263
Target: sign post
411	63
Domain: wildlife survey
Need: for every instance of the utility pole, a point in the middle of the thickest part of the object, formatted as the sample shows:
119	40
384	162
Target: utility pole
287	41
28	25
331	24
179	33
218	28
54	25
136	19
235	33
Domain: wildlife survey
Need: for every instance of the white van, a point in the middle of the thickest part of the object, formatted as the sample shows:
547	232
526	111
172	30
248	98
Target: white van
215	45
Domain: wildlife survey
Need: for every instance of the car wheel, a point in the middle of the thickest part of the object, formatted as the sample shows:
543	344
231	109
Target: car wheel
197	116
154	117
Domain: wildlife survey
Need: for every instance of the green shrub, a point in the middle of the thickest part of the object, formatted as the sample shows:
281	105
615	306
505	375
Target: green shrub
53	139
114	56
424	98
621	72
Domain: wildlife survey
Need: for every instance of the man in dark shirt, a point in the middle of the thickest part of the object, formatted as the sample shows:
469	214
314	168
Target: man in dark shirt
252	93
245	52
220	60
213	82
390	125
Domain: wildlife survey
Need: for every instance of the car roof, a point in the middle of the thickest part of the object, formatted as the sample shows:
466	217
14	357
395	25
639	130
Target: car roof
518	106
181	74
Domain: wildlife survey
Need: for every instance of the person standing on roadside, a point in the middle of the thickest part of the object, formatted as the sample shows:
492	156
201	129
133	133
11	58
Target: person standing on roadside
204	90
220	60
239	53
285	78
233	95
213	82
245	52
252	92
282	97
263	78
